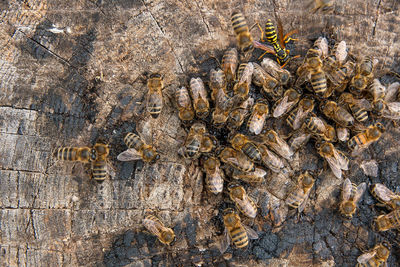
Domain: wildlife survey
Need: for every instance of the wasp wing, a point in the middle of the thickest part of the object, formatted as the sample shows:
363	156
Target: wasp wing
129	155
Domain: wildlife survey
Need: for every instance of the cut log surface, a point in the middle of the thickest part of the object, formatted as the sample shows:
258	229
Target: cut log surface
72	72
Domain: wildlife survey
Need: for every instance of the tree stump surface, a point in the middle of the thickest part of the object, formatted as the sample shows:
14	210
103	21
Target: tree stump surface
72	72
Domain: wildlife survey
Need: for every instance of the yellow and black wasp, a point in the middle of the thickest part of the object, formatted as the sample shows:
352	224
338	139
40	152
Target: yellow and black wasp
277	40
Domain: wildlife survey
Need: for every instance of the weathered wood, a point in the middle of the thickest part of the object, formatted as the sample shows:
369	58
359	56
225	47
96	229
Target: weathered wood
72	72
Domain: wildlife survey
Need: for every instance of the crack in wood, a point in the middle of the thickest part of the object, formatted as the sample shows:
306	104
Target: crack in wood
163	33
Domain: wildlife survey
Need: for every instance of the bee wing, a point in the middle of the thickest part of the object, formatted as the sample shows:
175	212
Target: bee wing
129	155
145	131
299	118
392	111
251	234
335	166
323	47
281	107
247	73
303	204
342	160
225	241
360	191
346	189
391	91
341	52
153	100
152	226
384	193
364	258
182	97
257	123
282	148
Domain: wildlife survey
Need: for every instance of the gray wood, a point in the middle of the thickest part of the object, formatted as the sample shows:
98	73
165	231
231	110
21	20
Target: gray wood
71	72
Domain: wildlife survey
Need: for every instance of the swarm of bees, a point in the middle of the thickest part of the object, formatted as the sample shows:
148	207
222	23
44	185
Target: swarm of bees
332	100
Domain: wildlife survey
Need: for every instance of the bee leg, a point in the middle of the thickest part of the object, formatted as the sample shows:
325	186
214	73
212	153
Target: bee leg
287	38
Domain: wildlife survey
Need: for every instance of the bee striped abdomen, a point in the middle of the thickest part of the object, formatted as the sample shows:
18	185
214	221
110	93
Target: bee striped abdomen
252	151
65	153
215	186
270	32
318	82
294	201
99	170
239	23
133	141
239	237
357	140
193	148
360	114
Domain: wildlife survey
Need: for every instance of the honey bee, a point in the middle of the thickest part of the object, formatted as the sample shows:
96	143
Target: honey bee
362	140
236	116
351	195
229	64
184	103
337	113
339	77
199	96
164	234
297	199
138	149
375	257
336	159
296	118
242	201
235	231
358	83
321	47
272	68
269	84
257	118
271	160
217	82
214	175
243	36
366	66
385	196
99	166
197	141
285	104
337	57
320	128
274	209
155	98
299	139
256	176
343	134
236	159
242	87
249	148
358	107
278	145
82	154
387	221
223	105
